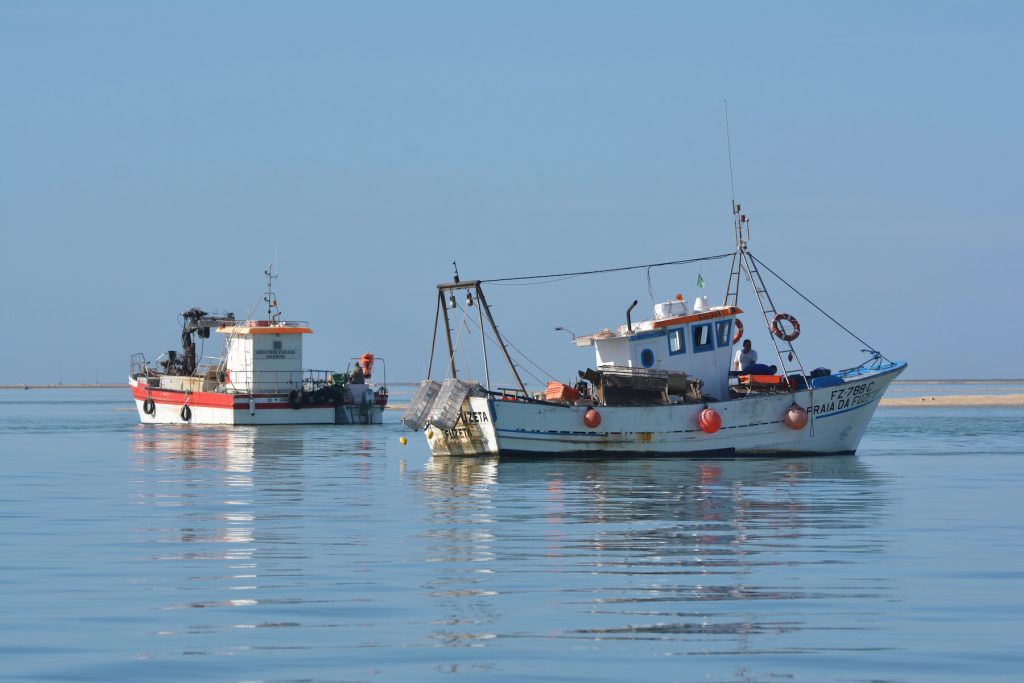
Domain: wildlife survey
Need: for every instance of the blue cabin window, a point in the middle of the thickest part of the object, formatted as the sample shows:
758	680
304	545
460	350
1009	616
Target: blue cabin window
647	358
724	331
677	342
702	340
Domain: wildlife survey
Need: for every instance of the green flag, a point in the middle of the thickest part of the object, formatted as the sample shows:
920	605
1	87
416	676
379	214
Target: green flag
700	281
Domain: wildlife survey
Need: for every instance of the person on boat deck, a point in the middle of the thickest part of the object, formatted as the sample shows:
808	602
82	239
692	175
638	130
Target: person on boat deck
357	375
745	357
761	369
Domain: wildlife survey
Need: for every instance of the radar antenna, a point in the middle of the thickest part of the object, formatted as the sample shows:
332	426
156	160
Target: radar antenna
273	312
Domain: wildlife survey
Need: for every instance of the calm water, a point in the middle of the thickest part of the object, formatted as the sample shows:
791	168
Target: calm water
336	554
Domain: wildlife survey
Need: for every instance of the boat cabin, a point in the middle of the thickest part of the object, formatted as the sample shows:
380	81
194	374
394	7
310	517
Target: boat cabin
264	356
677	340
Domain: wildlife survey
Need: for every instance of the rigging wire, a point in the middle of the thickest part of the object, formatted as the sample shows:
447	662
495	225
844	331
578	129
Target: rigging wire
523	278
820	310
517	349
458	340
529	284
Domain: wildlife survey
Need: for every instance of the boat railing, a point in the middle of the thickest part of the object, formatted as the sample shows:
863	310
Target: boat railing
877	363
137	365
317	379
282	381
228	324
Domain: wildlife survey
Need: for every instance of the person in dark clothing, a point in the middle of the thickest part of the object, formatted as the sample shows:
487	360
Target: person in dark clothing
357	375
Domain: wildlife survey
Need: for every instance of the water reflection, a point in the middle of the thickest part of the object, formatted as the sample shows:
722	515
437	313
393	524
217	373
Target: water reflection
664	549
234	519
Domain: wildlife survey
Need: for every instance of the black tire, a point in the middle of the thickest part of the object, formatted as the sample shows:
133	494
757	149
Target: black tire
148	407
186	413
295	399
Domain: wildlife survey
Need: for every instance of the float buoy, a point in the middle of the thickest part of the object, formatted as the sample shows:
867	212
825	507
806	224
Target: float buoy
148	407
186	413
709	421
739	331
796	417
780	332
252	406
430	434
592	418
402	440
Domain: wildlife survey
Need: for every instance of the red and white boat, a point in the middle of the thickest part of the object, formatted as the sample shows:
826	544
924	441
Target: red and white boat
257	380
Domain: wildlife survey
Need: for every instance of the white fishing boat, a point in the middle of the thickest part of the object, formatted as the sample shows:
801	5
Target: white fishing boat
257	380
660	386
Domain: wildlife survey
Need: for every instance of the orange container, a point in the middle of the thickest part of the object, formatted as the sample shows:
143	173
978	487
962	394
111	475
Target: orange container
761	379
557	391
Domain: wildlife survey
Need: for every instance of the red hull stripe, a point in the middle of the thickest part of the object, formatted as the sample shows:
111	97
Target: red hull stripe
207	399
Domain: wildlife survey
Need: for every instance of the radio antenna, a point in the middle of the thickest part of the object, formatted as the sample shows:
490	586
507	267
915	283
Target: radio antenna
728	145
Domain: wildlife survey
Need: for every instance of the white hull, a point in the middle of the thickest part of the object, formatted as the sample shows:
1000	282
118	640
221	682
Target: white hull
208	408
750	426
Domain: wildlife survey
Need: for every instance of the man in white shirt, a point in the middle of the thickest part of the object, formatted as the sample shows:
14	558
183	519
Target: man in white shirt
745	357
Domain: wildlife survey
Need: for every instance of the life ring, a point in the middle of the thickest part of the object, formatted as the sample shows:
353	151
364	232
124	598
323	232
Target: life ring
186	413
148	406
295	399
739	331
781	333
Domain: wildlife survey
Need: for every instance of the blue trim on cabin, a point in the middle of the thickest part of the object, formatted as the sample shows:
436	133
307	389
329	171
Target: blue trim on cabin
726	340
701	348
680	334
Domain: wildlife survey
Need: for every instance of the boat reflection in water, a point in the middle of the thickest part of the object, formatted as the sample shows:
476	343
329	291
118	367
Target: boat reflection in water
668	549
201	486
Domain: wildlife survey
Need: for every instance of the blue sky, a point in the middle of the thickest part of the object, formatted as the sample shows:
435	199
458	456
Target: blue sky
156	155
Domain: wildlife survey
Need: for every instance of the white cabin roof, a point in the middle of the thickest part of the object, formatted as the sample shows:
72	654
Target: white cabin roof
648	325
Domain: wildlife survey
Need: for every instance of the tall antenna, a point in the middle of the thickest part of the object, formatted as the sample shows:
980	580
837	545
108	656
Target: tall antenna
738	218
270	297
728	144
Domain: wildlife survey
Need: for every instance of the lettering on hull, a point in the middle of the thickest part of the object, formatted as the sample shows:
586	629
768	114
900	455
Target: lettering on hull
467	436
846	398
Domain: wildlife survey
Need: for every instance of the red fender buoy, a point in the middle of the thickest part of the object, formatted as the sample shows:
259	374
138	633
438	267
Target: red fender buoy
796	417
592	418
710	421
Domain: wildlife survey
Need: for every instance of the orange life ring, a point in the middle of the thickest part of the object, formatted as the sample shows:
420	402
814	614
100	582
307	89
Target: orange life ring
739	331
782	334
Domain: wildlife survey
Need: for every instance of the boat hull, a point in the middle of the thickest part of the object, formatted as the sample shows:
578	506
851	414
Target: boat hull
751	426
212	408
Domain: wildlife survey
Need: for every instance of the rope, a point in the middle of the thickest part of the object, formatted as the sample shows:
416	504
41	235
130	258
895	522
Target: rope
606	270
820	310
516	348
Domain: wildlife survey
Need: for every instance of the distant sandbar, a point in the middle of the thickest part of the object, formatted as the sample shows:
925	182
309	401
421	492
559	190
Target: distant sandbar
953	401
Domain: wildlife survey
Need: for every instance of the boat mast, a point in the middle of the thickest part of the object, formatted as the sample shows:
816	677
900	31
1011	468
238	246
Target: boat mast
448	290
743	263
270	297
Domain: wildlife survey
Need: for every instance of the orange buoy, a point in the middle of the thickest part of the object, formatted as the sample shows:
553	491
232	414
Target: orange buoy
366	361
592	418
779	330
739	331
710	421
796	417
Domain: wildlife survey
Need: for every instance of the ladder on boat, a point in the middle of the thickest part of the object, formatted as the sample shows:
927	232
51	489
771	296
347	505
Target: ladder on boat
744	264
